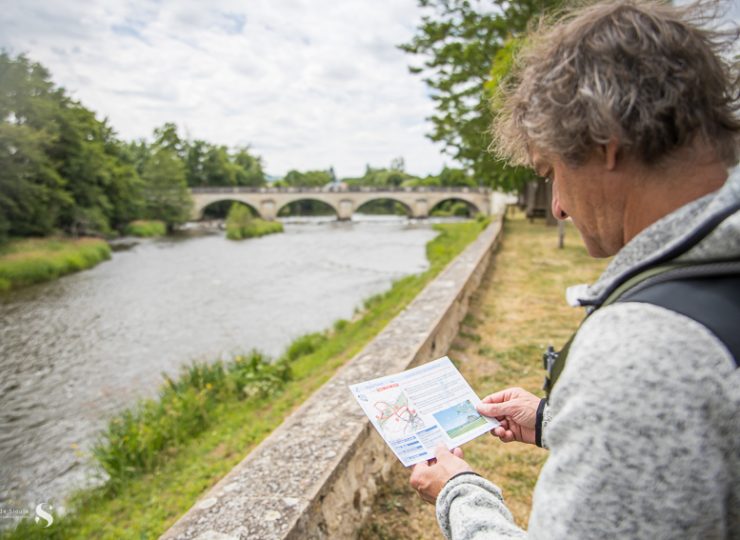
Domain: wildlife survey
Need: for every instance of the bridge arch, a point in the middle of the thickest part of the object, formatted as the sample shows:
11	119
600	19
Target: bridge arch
396	203
299	200
452	206
225	204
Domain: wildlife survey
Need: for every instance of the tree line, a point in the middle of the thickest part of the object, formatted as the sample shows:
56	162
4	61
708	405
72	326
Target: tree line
63	169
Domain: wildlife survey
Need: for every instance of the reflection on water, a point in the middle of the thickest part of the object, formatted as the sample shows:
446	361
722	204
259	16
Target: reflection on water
76	350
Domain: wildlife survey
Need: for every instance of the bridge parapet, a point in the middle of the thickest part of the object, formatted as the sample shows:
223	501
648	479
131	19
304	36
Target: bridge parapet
267	202
352	189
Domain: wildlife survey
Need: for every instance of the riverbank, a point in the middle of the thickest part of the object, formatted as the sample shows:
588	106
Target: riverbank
148	502
35	260
518	310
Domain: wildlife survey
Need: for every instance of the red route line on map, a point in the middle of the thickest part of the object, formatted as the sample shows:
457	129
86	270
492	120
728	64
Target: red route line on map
395	410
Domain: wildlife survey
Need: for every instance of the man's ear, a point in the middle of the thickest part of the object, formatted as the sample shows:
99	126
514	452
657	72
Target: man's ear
611	151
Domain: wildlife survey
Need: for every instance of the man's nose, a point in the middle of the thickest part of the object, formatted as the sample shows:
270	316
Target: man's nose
557	210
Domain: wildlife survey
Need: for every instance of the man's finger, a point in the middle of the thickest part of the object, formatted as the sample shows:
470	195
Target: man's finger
495	409
441	452
416	472
505	435
417	469
458	452
497	397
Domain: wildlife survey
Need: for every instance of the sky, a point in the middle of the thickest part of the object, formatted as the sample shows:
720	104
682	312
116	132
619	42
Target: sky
308	84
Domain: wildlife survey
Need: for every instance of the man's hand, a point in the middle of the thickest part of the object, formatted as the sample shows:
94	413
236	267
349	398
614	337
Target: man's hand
428	478
516	410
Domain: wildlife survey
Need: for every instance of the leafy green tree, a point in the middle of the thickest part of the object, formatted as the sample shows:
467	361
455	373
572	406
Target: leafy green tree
458	41
167	137
62	167
452	177
166	195
249	172
219	171
391	177
307	179
210	165
31	190
195	155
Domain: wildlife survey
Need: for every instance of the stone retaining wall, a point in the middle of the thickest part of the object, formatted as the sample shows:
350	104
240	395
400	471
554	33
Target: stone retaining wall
316	475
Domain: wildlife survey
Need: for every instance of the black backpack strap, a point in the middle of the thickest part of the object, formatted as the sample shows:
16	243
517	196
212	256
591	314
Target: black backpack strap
712	301
708	293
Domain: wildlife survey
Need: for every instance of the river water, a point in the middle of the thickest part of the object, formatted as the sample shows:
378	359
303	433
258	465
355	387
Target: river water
75	351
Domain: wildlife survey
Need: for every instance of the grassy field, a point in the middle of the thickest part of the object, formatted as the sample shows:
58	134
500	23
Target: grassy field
146	228
147	500
25	262
519	309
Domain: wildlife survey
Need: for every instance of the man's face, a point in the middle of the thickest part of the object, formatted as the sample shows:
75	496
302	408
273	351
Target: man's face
590	196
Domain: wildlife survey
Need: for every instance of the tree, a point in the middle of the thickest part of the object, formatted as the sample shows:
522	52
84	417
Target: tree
379	177
166	193
458	40
451	177
167	137
307	179
249	172
31	190
195	155
61	166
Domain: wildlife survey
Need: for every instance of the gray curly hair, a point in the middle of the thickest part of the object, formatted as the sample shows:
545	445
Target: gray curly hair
646	74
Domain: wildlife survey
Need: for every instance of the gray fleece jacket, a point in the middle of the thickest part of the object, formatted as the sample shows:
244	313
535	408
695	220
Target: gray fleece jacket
643	426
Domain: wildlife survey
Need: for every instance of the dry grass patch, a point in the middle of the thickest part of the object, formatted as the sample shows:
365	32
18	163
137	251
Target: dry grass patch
518	310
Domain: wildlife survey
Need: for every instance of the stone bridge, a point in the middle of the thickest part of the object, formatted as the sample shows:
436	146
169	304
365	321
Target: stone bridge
267	202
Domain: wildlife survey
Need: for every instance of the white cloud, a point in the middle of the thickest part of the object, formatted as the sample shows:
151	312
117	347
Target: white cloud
307	84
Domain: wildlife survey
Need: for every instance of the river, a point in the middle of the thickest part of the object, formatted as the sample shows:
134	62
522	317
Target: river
75	351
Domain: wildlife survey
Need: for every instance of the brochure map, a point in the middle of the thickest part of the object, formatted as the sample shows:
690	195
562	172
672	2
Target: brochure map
417	409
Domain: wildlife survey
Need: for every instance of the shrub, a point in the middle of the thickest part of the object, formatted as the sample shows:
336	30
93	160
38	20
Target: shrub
240	224
134	439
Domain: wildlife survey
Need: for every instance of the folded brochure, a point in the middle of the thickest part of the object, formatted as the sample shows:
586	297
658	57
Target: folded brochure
417	409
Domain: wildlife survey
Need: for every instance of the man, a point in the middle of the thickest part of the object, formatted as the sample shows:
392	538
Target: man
630	110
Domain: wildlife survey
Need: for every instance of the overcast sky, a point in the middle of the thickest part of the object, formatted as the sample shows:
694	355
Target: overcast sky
307	83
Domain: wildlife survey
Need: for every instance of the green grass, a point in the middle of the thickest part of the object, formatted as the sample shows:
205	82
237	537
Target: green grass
25	262
134	440
146	228
163	475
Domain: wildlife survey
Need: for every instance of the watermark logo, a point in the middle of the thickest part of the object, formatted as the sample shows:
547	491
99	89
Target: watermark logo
12	513
41	514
